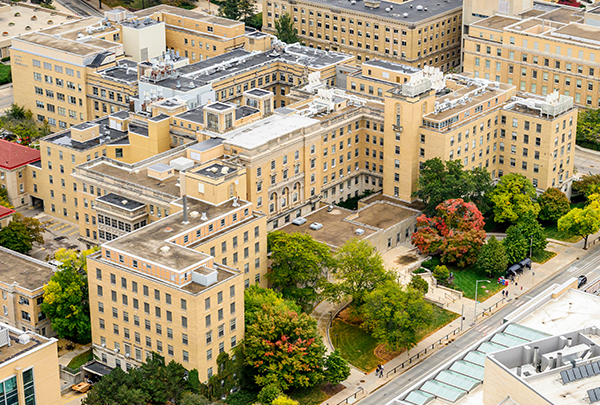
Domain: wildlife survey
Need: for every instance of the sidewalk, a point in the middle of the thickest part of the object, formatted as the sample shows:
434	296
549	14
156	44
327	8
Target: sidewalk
65	359
567	253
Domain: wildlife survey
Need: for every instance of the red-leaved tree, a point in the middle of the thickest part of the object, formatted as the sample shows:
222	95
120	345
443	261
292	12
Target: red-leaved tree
456	231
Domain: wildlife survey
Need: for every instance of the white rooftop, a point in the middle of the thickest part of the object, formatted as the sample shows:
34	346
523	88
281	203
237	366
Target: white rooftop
571	311
268	129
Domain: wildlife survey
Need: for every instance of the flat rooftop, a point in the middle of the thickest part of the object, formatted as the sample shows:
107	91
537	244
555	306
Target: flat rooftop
194	15
107	135
194	115
18	349
125	72
15	26
336	231
264	130
571	311
138	177
393	66
121	202
383	215
434	8
147	241
26	271
217	170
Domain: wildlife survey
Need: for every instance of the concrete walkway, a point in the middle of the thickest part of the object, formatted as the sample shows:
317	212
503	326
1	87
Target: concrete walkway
567	253
65	359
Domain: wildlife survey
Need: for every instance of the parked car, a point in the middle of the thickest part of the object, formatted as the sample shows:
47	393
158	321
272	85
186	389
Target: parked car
581	281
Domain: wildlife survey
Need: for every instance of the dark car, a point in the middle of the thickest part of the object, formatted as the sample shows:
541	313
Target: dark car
581	280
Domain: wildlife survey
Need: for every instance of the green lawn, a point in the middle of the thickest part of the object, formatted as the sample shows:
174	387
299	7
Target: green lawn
552	232
465	278
543	256
355	345
5	76
358	347
80	360
311	396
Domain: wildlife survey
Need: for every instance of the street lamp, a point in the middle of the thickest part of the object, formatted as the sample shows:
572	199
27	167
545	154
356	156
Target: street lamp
531	247
476	291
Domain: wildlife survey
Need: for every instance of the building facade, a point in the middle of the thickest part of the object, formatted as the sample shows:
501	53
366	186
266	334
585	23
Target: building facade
22	280
167	295
546	48
413	33
14	171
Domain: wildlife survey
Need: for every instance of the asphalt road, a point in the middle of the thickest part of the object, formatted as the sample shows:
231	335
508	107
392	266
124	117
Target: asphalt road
82	7
586	162
6	96
589	265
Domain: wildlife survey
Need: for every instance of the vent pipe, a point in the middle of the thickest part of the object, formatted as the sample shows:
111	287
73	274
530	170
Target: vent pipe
519	371
185	213
536	356
569	342
559	362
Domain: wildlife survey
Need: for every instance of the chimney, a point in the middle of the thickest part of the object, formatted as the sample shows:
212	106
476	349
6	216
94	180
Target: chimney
559	362
569	342
185	213
536	356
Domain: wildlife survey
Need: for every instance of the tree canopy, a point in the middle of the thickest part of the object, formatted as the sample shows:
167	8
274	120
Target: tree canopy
283	348
492	258
358	269
395	315
285	31
241	10
588	129
20	122
587	185
440	181
298	264
456	231
515	244
152	383
513	197
66	297
533	233
581	222
553	204
21	233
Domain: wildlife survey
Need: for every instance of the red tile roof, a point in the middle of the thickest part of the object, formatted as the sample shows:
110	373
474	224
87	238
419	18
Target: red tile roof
13	155
5	211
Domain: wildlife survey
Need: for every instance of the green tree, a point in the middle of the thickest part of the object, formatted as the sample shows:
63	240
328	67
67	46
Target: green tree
257	300
456	231
553	205
358	269
513	197
269	393
492	258
230	9
283	400
588	128
418	283
581	222
298	264
394	316
587	185
21	233
66	298
441	274
4	199
283	347
515	244
440	181
336	368
116	388
533	233
285	31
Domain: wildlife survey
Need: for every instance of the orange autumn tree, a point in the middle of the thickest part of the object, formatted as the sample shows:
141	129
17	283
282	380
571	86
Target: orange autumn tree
456	231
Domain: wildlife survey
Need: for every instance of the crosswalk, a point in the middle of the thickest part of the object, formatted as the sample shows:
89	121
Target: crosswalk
483	328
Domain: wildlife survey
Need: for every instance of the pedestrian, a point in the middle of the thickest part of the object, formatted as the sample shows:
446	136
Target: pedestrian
377	370
507	294
381	372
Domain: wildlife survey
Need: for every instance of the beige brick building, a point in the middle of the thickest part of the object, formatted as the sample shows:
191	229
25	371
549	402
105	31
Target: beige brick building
546	48
175	293
22	280
28	368
416	33
14	171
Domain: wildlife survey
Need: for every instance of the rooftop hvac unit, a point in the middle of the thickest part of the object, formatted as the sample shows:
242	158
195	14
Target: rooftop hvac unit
4	338
24	338
181	163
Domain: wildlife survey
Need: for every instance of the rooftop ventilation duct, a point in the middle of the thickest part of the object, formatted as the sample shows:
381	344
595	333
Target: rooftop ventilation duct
204	217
